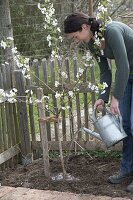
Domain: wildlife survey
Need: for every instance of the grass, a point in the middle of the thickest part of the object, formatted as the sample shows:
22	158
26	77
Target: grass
93	153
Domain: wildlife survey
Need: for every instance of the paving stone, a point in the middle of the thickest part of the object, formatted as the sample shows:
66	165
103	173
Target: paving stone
5	190
119	198
102	198
9	193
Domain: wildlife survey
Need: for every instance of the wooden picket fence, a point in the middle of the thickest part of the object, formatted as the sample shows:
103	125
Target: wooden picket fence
21	129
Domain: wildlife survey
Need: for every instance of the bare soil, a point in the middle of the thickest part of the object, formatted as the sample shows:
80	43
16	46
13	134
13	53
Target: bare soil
92	175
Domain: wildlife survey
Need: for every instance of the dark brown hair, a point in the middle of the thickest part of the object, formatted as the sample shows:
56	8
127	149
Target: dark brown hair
74	22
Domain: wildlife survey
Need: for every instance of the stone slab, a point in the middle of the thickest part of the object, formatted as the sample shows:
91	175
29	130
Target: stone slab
10	193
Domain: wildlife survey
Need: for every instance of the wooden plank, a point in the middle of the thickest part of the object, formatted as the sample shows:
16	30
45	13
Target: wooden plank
47	113
31	117
87	145
8	154
35	66
7	86
70	101
43	131
22	114
86	109
93	82
52	71
77	100
63	113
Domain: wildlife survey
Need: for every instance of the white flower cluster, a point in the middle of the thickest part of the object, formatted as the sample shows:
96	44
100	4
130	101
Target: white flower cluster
3	44
58	95
80	72
9	96
51	24
103	15
6	43
64	75
93	88
101	8
88	59
22	63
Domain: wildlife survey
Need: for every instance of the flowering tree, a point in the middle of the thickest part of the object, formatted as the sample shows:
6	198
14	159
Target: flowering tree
54	40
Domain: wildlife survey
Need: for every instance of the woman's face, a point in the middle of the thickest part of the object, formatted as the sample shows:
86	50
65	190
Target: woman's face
82	36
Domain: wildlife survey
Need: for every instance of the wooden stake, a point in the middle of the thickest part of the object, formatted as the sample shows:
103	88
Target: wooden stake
43	132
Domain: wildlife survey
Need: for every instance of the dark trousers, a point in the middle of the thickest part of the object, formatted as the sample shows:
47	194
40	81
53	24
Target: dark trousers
126	108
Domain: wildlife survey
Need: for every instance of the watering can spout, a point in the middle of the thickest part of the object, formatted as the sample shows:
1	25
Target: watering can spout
92	133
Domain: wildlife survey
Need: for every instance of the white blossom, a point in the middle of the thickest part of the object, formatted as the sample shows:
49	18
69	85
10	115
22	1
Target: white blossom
58	29
57	95
14	50
81	71
11	100
3	44
68	107
49	44
70	93
30	100
49	38
102	9
27	76
10	38
27	91
57	83
55	22
64	75
60	38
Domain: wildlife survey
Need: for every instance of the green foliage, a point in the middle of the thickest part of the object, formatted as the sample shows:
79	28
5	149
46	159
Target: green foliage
93	153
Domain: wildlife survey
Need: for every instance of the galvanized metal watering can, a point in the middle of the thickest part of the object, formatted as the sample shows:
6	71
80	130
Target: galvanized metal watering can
109	127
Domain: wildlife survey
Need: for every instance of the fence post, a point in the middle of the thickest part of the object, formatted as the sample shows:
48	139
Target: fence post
43	130
23	118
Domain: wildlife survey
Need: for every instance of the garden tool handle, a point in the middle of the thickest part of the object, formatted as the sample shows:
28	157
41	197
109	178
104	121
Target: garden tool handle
94	118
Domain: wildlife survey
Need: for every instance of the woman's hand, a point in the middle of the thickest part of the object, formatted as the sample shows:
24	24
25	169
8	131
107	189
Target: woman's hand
114	107
99	104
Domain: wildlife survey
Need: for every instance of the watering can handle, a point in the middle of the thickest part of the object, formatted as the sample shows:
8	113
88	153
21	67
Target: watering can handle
94	118
118	117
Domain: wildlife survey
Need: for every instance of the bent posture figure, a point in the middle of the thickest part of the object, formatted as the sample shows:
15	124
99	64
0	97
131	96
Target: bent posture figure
117	44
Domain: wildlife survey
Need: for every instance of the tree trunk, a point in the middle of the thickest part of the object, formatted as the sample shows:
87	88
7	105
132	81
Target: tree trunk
6	30
90	8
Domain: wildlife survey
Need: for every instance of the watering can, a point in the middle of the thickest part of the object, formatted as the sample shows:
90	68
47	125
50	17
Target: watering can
109	128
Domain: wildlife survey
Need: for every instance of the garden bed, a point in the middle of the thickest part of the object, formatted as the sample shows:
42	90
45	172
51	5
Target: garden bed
91	175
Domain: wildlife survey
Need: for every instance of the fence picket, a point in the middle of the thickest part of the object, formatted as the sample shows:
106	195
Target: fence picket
77	100
63	114
35	66
85	104
47	113
52	71
70	101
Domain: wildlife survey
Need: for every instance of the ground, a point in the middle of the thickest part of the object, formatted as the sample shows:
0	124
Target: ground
91	176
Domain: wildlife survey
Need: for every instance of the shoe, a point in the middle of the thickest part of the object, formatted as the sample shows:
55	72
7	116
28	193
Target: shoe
119	178
130	187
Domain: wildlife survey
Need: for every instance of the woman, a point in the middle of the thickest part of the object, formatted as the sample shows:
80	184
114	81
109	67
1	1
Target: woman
118	45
